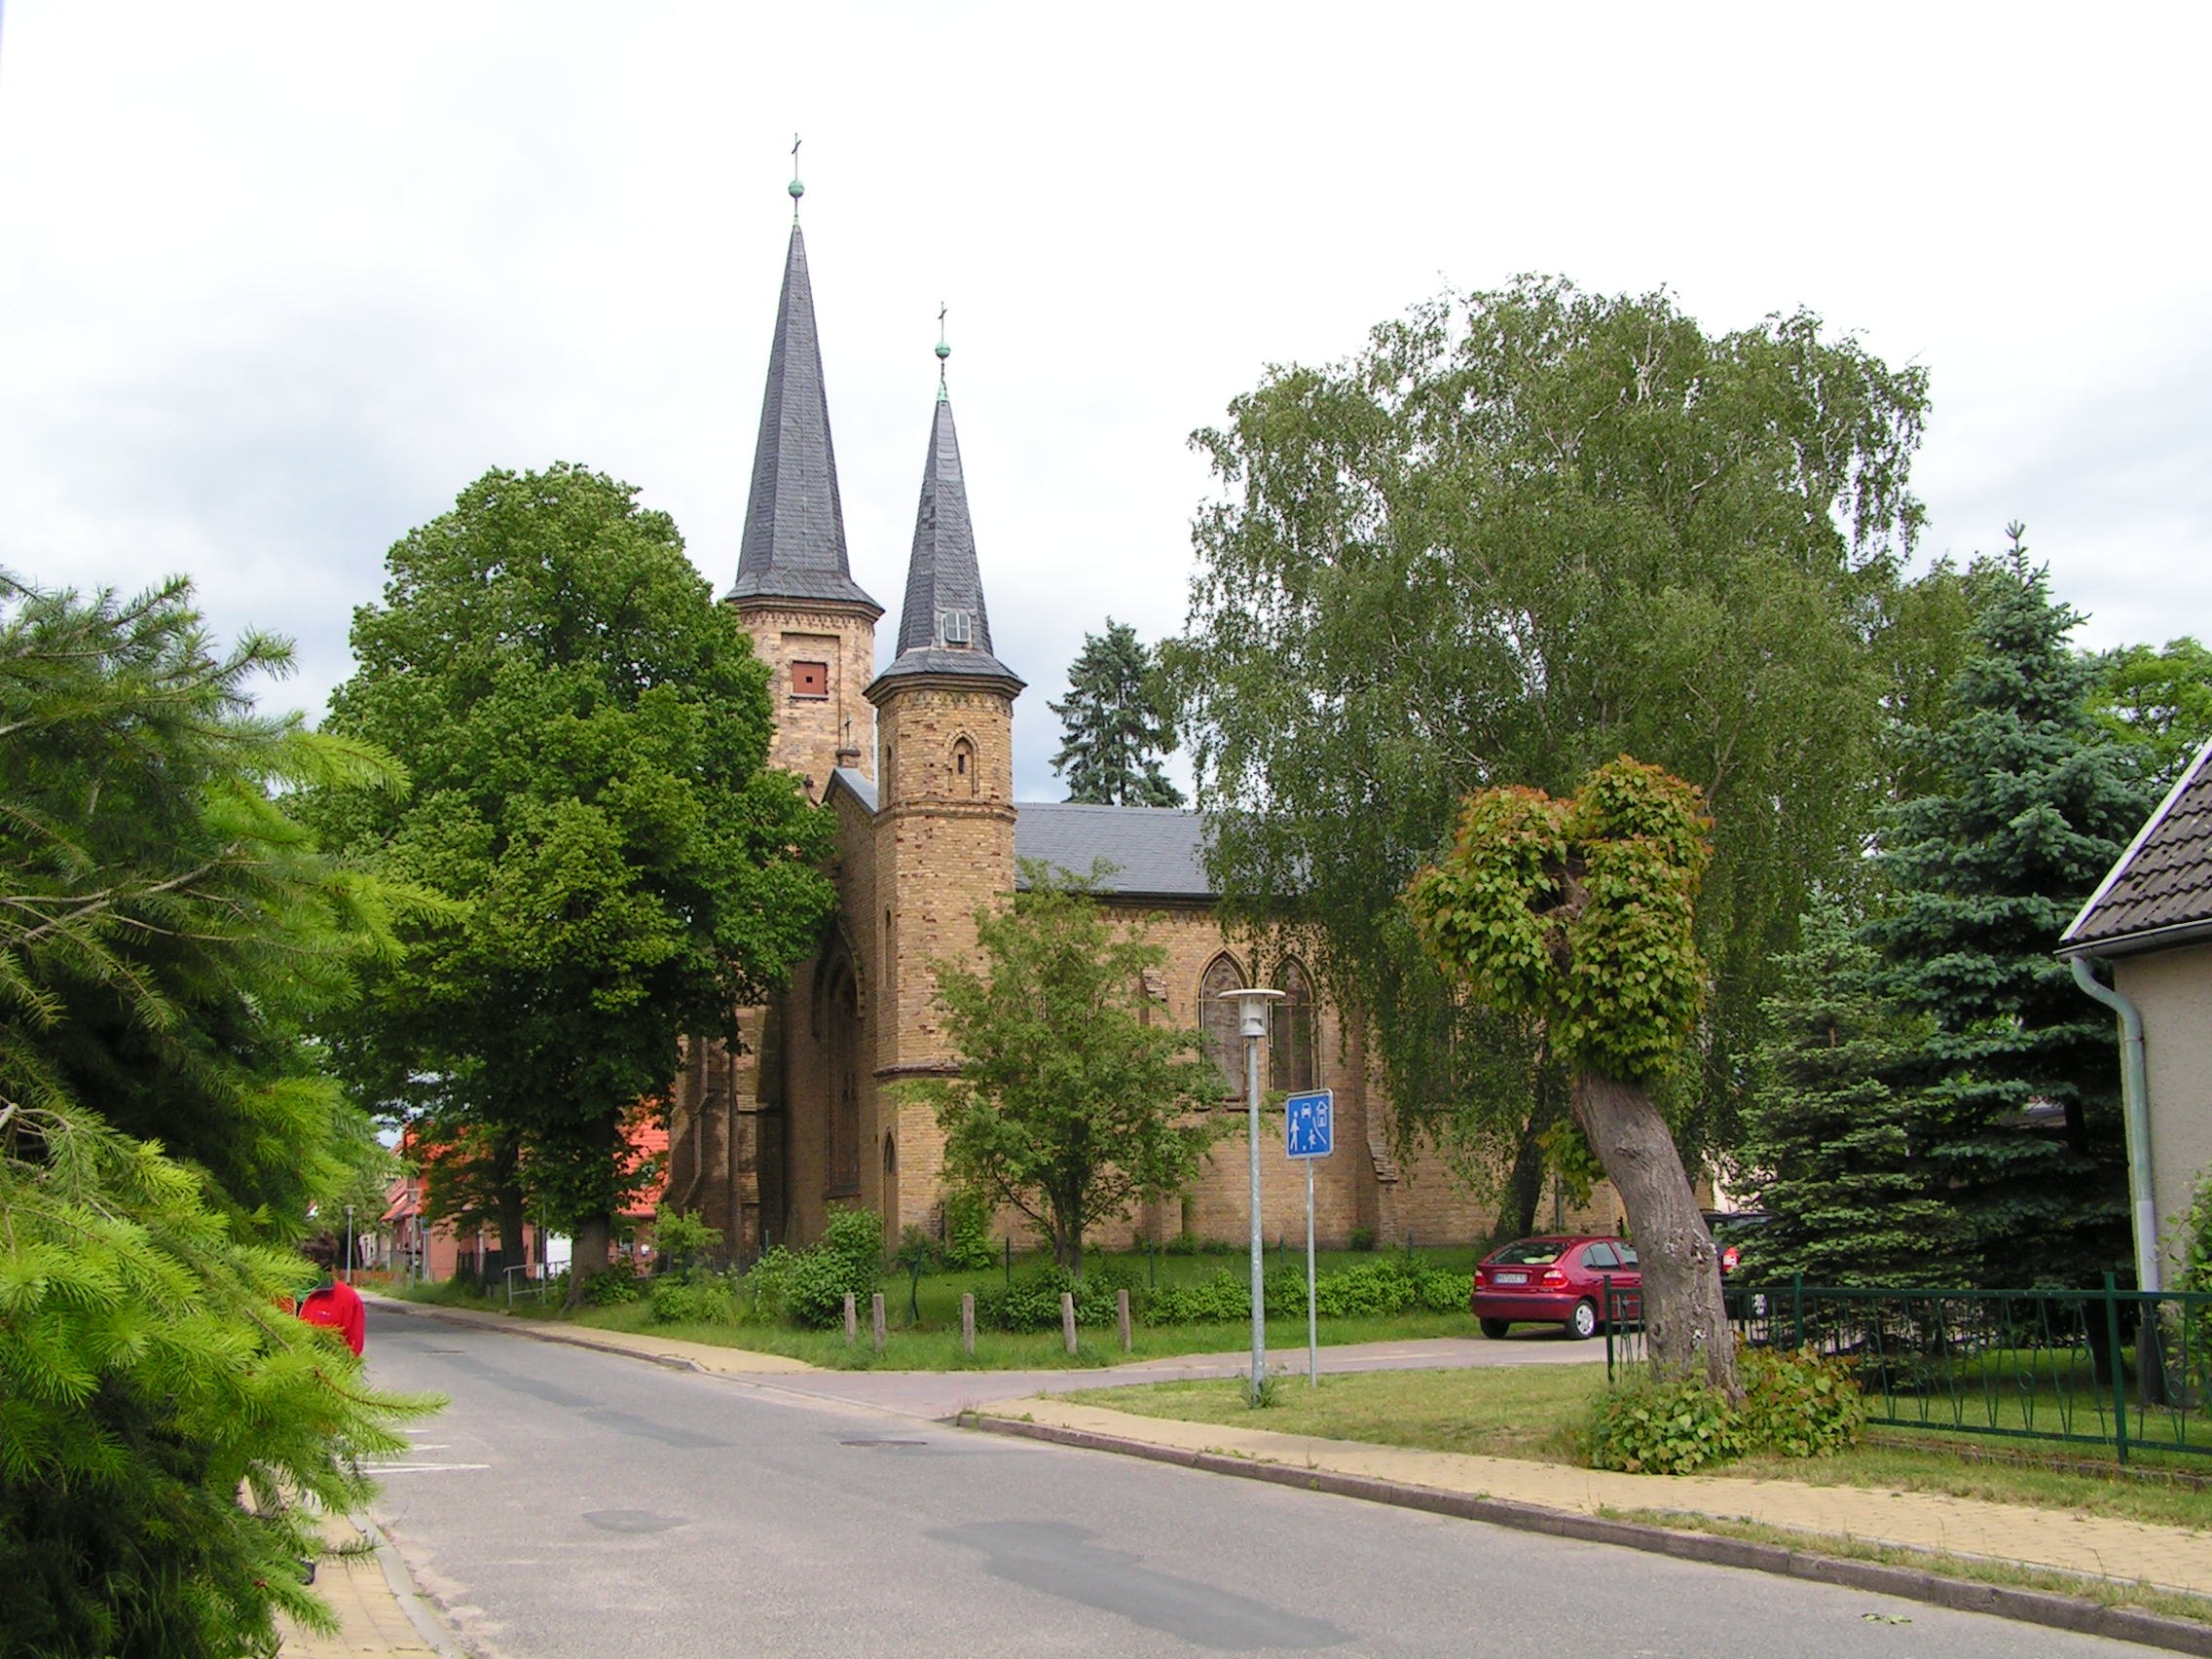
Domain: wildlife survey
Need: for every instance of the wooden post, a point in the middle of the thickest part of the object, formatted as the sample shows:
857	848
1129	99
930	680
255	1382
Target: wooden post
1067	1320
1122	1317
968	1323
852	1321
876	1317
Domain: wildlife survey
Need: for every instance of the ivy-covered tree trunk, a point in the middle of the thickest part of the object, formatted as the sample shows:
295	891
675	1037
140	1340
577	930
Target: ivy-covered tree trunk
1684	1314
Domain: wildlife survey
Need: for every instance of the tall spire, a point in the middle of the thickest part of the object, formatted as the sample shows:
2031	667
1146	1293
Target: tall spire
944	628
793	545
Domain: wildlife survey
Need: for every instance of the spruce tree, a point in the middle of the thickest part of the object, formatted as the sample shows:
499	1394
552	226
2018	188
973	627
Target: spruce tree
1828	1129
2022	1136
1114	729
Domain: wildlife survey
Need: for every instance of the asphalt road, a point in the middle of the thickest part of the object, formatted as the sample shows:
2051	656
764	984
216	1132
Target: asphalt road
577	1505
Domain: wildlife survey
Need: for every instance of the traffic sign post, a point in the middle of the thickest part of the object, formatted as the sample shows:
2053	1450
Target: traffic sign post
1309	1131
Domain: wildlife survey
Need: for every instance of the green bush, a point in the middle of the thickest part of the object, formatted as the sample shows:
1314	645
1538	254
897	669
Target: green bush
1363	1238
1217	1299
1798	1403
1032	1301
683	1239
1663	1428
612	1285
702	1299
967	1247
809	1286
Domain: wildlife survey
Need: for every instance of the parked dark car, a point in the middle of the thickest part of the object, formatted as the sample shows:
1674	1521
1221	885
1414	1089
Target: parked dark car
1558	1279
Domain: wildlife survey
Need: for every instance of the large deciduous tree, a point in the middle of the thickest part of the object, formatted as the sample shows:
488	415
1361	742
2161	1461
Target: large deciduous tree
1520	533
1581	913
166	932
1114	732
1071	1104
587	733
2032	801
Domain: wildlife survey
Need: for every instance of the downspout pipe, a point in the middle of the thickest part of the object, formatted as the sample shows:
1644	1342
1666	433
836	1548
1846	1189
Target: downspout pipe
2135	1105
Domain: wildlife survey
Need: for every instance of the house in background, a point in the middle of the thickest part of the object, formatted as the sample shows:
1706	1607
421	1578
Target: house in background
446	1247
2151	920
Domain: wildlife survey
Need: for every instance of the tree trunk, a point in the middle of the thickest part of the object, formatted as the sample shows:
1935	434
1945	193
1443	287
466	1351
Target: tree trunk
1685	1318
589	1253
1525	1187
506	1195
593	1247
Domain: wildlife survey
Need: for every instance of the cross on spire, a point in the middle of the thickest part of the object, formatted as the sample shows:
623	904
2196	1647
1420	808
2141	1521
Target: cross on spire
797	189
942	351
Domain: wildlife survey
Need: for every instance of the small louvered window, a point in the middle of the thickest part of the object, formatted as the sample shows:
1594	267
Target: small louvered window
959	627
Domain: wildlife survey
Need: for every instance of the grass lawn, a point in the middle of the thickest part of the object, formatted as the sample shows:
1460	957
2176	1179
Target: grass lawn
926	1336
1533	1412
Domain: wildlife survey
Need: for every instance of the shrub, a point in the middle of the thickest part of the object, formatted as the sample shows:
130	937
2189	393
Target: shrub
612	1285
967	1247
1363	1238
1663	1428
1798	1403
1032	1301
1182	1244
703	1299
683	1238
1219	1298
809	1286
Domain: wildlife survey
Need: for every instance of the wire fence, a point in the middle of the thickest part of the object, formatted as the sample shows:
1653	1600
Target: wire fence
2125	1369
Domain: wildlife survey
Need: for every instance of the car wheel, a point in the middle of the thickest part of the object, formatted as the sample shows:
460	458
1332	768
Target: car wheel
1583	1321
1493	1328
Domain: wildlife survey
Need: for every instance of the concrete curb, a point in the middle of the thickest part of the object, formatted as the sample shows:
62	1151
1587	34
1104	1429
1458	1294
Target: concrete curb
412	1602
2028	1606
524	1328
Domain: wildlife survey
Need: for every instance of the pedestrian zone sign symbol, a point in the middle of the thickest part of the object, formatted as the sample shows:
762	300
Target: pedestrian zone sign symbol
1310	1123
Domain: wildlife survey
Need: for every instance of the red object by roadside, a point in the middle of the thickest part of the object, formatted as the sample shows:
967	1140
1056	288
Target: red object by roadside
337	1305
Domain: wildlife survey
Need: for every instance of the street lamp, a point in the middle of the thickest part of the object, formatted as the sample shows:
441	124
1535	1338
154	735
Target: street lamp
348	1243
1252	1024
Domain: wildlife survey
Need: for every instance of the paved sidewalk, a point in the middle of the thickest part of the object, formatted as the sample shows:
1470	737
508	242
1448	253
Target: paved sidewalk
2171	1556
372	1597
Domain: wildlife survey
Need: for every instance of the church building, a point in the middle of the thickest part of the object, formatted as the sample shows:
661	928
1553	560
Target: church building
916	763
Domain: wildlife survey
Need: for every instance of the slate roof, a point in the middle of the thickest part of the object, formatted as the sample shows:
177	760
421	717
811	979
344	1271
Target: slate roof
857	781
941	574
1161	851
2159	893
793	542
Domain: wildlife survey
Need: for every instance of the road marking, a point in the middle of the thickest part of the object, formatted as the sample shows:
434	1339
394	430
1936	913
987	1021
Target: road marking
423	1468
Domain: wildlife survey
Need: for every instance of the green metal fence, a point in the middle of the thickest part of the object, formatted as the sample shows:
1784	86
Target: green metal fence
2125	1369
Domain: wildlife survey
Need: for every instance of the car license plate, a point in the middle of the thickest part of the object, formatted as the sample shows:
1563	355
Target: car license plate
1512	1279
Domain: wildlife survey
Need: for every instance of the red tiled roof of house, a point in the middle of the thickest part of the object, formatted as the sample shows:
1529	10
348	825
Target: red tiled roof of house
2159	893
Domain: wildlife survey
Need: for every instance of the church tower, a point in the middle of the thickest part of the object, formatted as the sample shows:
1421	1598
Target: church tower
814	628
944	815
810	621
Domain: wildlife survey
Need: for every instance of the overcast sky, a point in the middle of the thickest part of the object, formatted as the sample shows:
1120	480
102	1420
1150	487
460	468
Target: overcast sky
277	281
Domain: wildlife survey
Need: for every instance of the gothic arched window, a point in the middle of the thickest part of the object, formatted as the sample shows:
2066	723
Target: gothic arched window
844	1172
1291	1063
963	766
1218	1021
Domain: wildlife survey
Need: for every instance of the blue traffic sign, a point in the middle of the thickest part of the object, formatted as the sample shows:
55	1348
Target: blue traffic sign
1310	1123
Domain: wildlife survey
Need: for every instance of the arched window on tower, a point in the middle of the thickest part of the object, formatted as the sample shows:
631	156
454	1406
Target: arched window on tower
1218	1022
1291	1063
963	766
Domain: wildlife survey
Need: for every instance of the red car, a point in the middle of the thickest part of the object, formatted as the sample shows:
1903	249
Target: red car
1557	1280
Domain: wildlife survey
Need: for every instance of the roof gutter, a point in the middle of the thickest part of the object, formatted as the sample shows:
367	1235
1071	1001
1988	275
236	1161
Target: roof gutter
2135	1105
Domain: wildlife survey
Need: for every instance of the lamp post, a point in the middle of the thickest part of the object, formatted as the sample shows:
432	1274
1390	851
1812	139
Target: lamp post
1252	1023
348	1243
